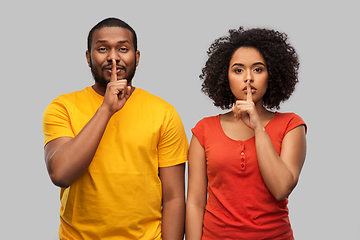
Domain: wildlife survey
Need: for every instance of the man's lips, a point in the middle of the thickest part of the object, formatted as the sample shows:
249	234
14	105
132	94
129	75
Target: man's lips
118	69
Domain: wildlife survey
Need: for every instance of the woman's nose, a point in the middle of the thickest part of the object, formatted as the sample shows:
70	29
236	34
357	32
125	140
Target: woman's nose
248	77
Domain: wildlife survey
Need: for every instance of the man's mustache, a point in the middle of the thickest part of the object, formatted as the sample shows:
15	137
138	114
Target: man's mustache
109	66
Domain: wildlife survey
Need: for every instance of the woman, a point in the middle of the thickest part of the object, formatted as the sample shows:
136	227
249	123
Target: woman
248	160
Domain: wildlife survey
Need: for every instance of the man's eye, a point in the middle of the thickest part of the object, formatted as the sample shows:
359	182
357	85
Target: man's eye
102	49
123	49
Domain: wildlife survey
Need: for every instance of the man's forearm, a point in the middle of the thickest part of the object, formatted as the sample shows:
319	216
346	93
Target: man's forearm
67	162
173	219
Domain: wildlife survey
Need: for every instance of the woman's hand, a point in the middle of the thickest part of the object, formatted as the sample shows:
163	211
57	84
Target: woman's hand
246	111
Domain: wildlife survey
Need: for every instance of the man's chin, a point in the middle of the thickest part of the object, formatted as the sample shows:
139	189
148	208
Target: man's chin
102	82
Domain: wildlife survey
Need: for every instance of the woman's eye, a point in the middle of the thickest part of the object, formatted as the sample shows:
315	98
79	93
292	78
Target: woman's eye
238	70
257	69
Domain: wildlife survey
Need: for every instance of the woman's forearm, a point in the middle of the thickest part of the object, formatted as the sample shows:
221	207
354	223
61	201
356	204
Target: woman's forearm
194	221
277	176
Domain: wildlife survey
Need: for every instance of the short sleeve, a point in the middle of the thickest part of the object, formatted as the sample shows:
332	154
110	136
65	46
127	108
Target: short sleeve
293	122
198	132
56	122
173	144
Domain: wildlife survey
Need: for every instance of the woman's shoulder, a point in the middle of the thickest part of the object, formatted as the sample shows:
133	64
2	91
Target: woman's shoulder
208	120
287	116
288	120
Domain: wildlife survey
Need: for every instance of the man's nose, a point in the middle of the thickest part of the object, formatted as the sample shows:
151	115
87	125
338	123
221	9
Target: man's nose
113	54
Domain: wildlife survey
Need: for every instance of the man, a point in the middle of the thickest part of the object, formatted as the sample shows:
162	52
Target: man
116	151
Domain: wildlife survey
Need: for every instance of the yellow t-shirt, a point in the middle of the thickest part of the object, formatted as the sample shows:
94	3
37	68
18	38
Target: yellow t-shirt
119	196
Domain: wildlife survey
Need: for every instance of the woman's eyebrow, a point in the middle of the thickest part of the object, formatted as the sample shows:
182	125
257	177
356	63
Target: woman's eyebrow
254	64
259	63
238	64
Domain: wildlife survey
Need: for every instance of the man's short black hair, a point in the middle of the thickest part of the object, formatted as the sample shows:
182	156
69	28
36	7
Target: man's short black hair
111	22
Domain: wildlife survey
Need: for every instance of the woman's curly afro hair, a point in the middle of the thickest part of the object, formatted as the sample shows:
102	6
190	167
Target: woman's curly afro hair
281	60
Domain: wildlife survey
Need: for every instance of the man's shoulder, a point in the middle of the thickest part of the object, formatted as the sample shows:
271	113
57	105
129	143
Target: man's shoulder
151	98
70	95
72	100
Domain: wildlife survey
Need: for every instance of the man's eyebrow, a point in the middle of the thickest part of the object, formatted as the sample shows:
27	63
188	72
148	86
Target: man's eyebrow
242	65
124	41
105	41
101	41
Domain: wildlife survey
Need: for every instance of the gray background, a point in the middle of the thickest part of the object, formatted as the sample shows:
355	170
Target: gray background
42	55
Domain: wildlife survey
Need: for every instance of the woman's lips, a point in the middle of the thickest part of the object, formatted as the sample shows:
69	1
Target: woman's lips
253	90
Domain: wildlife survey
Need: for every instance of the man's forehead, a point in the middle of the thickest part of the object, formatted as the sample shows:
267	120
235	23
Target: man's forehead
112	34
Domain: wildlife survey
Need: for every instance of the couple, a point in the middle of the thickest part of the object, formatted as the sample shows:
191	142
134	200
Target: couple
118	153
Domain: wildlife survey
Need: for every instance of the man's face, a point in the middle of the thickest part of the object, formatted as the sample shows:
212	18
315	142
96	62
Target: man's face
112	43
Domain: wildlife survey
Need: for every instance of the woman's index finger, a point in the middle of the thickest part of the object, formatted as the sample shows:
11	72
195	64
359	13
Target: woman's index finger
249	92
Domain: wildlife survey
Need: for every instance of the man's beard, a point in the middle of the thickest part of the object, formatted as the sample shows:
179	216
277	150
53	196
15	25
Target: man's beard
102	81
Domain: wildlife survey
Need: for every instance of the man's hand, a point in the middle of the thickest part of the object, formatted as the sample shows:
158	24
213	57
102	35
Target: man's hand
117	91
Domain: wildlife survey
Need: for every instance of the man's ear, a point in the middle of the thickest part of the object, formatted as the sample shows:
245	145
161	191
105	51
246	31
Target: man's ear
137	55
88	57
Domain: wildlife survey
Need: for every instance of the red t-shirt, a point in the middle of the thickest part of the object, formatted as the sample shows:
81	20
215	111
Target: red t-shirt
239	205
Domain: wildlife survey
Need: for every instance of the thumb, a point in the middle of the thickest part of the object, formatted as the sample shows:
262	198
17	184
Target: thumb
127	92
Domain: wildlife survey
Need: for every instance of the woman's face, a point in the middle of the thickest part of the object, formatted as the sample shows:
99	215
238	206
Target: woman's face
247	64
